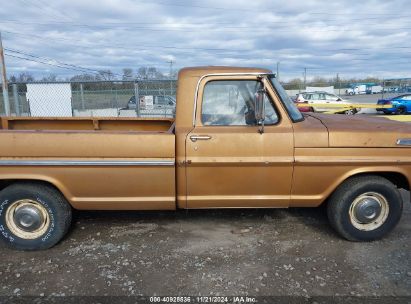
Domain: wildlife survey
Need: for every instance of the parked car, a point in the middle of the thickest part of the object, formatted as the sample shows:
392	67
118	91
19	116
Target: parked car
321	97
159	102
304	109
400	104
299	101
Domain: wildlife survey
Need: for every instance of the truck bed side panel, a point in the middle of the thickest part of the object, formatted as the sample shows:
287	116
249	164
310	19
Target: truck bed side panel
95	170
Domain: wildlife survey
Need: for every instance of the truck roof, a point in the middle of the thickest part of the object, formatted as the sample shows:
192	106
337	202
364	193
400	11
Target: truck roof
204	70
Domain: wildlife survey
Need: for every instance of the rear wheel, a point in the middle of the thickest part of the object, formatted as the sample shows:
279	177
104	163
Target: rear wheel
350	112
365	208
33	216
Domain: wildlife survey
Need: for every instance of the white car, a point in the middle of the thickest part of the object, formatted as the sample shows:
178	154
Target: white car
320	97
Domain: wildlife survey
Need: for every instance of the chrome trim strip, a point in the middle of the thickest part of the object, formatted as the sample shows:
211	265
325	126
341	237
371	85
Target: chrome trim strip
218	74
301	160
404	142
84	163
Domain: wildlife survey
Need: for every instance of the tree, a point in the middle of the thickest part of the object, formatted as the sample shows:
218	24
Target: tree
372	79
83	77
105	75
127	74
12	78
294	84
142	72
22	77
50	78
319	81
149	73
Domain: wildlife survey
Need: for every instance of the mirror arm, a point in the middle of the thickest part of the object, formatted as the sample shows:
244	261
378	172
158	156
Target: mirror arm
261	128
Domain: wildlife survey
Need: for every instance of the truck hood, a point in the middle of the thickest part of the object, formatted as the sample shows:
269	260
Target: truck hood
363	131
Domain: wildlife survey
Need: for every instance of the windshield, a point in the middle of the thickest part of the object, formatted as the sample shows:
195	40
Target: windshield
292	109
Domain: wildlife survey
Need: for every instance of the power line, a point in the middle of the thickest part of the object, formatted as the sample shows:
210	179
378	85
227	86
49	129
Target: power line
49	59
258	58
283	27
199	49
265	9
40	8
46	5
46	63
125	47
129	25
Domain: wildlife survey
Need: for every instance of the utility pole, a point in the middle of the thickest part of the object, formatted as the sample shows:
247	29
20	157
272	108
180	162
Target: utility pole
4	80
278	70
171	75
338	83
171	67
305	78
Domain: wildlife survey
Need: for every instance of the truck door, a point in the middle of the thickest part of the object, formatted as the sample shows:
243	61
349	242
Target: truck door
228	162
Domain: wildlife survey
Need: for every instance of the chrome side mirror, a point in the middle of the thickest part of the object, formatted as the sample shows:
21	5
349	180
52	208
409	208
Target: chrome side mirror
259	109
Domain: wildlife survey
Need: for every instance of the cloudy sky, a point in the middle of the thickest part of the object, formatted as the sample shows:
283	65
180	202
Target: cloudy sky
353	38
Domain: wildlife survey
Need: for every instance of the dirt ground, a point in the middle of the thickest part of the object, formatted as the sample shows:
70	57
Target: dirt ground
224	252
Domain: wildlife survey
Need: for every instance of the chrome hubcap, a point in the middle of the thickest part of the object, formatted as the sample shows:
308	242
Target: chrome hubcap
27	219
369	211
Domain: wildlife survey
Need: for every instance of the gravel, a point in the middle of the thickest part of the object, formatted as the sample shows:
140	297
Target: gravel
208	252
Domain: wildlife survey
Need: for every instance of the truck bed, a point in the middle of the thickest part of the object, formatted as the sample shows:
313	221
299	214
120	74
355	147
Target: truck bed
97	163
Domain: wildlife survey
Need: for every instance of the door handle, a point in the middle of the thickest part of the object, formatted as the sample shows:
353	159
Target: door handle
194	138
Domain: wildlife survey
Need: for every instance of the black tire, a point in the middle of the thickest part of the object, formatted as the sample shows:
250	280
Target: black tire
340	202
350	112
58	212
402	111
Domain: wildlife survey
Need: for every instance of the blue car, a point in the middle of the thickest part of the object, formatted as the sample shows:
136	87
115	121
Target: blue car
400	104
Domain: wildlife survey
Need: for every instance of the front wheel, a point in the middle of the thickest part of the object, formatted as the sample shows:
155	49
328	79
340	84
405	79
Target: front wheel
365	208
33	216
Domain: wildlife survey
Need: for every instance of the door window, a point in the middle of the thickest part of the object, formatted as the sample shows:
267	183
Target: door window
231	103
331	97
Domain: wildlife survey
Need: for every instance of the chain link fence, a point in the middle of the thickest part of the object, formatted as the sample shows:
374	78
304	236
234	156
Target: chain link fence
385	88
155	98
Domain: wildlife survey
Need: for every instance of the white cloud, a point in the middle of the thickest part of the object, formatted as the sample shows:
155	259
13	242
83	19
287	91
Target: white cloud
350	37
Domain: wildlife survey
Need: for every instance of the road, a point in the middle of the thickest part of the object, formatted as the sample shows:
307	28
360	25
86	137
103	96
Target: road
212	252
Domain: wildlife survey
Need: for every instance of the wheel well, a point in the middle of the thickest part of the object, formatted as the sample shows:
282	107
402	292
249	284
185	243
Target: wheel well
396	178
7	182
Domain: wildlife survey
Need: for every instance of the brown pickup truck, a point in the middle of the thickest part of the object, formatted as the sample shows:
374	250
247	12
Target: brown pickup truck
237	142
